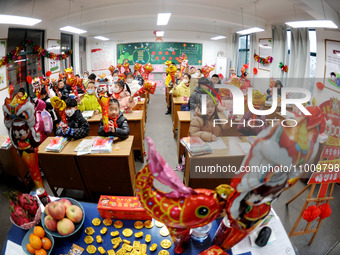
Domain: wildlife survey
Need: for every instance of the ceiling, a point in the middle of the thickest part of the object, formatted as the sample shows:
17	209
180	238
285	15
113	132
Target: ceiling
213	17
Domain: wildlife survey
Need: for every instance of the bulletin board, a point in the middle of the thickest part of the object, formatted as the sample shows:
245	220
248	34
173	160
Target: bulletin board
265	50
3	52
102	56
53	46
332	65
157	53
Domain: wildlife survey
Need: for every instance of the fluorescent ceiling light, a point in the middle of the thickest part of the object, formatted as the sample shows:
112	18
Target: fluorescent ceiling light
163	19
312	23
219	37
102	38
18	20
159	33
73	30
250	31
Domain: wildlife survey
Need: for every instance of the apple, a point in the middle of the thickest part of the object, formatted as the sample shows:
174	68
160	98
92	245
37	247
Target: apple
65	227
46	209
57	210
65	202
50	223
74	213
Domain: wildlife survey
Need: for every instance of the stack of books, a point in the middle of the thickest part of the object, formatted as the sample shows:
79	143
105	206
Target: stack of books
196	146
102	144
6	144
87	114
57	144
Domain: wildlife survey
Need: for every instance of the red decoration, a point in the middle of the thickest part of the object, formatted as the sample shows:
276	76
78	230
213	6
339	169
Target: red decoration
283	67
325	211
311	213
263	61
29	79
255	71
220	76
320	85
48	73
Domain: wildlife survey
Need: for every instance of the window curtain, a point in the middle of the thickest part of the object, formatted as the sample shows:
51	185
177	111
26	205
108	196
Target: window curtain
252	51
299	60
279	52
235	46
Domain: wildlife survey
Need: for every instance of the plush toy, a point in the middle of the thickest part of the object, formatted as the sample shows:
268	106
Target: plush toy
20	121
207	69
184	63
103	95
183	208
171	71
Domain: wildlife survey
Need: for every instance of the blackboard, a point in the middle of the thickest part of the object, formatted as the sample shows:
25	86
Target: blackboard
158	52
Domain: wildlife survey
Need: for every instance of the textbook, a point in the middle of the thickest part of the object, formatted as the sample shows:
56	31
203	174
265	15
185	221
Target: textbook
102	144
6	144
57	144
84	147
196	146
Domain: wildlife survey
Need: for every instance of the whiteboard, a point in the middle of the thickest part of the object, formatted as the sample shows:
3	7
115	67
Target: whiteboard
102	56
265	50
332	64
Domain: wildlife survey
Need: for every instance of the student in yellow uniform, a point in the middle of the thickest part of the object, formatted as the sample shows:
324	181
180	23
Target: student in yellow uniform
183	89
90	102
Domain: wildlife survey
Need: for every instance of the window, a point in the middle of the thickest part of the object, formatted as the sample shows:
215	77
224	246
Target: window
243	52
82	54
66	42
28	63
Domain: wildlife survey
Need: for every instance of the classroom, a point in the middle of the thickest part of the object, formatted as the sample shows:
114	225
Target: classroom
170	127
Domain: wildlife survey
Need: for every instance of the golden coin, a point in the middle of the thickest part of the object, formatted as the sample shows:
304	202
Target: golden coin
111	252
159	224
99	239
127	232
89	231
138	225
166	244
101	250
148	238
163	252
114	233
91	249
148	224
107	222
103	230
96	221
153	247
126	241
139	234
88	239
118	224
164	231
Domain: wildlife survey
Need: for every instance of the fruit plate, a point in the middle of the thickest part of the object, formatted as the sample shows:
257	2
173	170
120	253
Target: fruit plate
76	225
25	241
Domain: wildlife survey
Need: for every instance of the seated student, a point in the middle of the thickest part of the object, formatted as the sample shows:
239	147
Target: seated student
90	101
44	96
92	77
77	127
203	125
192	70
118	124
183	89
201	89
63	91
123	94
255	126
139	78
132	83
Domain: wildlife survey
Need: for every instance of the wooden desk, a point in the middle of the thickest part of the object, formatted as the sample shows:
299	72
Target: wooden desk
183	130
136	124
146	96
233	155
142	106
105	173
175	107
12	164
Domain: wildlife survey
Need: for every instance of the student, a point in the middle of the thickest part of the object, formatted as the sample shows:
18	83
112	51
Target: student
195	97
90	101
177	79
115	76
123	94
139	78
199	73
63	91
215	80
39	126
183	89
118	124
278	85
246	83
44	96
203	126
92	77
22	94
192	70
132	83
77	127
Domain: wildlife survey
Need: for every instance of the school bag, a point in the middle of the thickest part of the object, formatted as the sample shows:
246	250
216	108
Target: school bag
48	122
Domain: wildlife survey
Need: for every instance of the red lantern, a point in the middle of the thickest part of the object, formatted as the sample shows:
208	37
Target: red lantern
320	85
311	213
325	211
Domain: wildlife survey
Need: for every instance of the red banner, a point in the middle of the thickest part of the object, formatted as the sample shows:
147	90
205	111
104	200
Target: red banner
324	177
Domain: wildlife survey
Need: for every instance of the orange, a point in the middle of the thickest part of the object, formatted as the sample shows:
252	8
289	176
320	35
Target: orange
30	248
35	242
46	243
39	231
40	252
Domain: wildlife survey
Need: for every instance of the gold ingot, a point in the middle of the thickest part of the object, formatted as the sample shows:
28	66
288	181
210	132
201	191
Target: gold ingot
103	230
153	247
139	234
96	222
91	249
101	250
126	241
114	233
166	244
88	239
148	238
99	239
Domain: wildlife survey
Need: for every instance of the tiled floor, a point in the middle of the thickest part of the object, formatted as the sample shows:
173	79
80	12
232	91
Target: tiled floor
159	128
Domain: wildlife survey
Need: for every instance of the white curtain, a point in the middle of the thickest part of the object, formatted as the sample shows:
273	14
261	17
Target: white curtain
299	60
252	51
234	48
279	52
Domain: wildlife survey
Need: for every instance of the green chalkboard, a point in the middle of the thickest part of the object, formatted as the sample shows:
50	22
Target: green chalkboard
158	52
